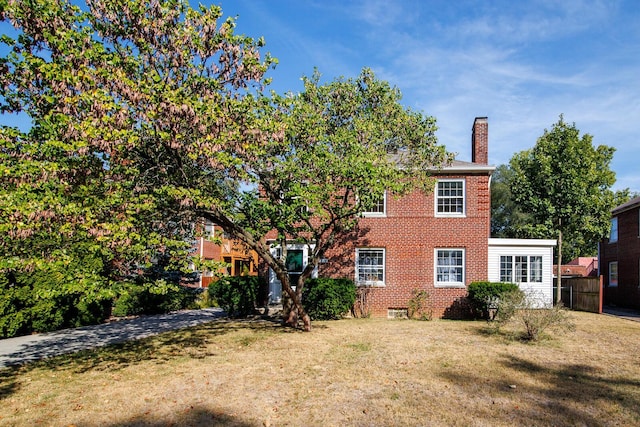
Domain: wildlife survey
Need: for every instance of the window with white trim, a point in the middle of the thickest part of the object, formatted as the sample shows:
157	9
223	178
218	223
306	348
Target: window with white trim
521	268
613	232
370	266
449	267
506	268
613	273
379	207
450	197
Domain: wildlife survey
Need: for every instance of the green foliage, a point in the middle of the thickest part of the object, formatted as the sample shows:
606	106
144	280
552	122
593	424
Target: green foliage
328	299
153	298
33	302
564	184
419	306
485	296
530	317
236	295
148	116
507	216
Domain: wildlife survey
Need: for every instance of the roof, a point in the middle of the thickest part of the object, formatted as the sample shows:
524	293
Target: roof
631	204
460	166
522	242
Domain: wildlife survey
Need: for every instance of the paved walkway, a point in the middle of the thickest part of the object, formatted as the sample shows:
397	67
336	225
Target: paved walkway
15	351
624	313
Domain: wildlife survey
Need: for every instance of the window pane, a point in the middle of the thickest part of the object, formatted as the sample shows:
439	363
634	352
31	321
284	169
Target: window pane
613	274
450	197
450	266
521	269
370	265
535	272
506	269
613	232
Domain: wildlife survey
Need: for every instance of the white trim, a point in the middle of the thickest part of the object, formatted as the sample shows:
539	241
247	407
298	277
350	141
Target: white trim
380	283
382	214
462	214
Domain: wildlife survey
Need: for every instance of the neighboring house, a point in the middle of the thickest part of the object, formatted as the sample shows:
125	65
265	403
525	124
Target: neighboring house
580	267
438	242
216	245
620	257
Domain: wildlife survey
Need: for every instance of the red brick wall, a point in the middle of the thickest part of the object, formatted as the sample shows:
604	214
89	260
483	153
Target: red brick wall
626	251
409	234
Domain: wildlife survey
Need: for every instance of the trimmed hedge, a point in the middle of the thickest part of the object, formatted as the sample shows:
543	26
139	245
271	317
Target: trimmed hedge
328	299
485	296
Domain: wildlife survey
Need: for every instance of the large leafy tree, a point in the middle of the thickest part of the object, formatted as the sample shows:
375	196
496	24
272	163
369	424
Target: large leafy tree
564	183
148	116
137	109
343	144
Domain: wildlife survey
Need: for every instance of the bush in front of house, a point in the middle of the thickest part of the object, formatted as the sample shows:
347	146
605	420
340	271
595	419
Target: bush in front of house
236	295
420	306
484	297
153	297
530	316
328	299
36	302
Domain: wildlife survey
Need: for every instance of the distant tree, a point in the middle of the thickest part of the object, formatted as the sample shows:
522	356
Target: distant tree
507	217
564	183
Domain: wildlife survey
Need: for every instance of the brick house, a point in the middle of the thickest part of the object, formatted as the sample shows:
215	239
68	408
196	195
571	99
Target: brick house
437	242
620	257
239	260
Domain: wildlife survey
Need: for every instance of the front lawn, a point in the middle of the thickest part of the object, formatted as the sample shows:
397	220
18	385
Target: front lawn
348	372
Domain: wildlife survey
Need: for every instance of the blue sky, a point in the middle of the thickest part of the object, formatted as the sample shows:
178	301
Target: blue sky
520	63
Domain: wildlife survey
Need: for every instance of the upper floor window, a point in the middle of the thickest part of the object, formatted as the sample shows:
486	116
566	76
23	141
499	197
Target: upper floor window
613	232
208	229
449	267
379	207
370	266
450	197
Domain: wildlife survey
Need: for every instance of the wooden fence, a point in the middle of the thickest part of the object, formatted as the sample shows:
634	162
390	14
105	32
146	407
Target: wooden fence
582	293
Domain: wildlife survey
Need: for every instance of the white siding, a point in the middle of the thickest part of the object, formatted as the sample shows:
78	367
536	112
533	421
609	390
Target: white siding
528	247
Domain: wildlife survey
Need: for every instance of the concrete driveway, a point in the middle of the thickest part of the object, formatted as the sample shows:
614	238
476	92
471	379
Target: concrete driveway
15	351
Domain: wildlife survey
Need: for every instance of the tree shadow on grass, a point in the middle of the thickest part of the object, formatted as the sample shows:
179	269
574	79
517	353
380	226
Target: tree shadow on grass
192	417
193	342
554	394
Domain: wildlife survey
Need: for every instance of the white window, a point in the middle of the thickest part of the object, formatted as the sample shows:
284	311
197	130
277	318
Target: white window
521	269
450	197
209	229
506	268
370	266
379	208
613	273
449	267
613	233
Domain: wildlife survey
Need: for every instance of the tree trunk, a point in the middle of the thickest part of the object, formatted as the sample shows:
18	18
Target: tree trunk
559	269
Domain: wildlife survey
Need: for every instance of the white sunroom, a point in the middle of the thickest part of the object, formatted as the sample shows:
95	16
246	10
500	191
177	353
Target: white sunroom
526	262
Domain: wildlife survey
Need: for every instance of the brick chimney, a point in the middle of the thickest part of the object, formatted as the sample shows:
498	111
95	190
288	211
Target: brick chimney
480	141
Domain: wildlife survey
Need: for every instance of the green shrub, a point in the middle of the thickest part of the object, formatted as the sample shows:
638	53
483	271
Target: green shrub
236	294
419	306
327	299
484	297
38	302
153	298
